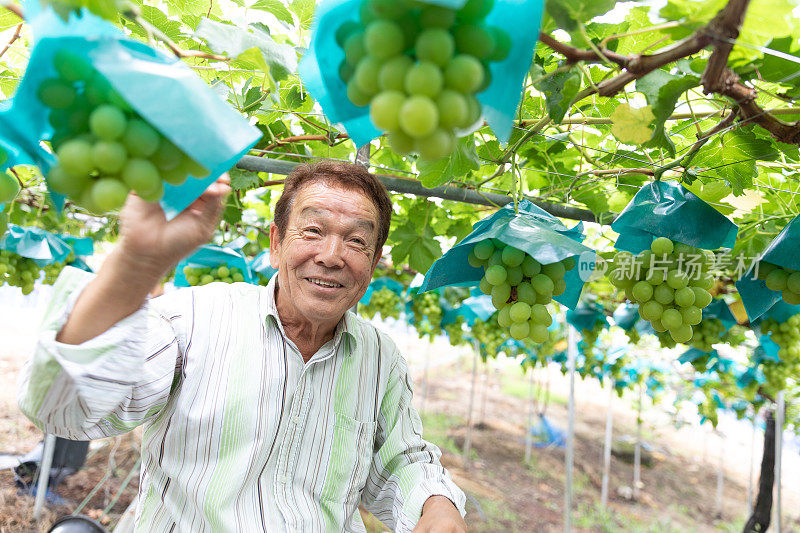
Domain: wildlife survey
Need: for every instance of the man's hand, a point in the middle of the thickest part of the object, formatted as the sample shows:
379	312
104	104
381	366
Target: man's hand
439	515
152	241
148	247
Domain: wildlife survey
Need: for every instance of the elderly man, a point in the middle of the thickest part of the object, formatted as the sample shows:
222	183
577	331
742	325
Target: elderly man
264	409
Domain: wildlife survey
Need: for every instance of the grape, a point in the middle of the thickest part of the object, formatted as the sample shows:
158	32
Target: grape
437	17
108	194
436	145
204	275
56	93
366	75
453	109
464	73
474	40
543	284
392	76
346	71
142	176
75	158
515	275
384	301
781	279
71	67
9	187
475	10
385	108
354	48
555	271
519	330
435	45
140	139
419	116
484	250
502	46
346	30
61	182
401	142
520	312
496	274
500	295
109	157
356	95
383	39
107	122
670	282
425	79
167	156
512	256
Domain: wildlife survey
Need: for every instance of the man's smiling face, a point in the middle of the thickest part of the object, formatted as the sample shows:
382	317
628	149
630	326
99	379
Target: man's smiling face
326	258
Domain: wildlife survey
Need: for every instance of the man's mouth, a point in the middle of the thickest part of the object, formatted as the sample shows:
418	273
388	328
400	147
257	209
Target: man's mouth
325	283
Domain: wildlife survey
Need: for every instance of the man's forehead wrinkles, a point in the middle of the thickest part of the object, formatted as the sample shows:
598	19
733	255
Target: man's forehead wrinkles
317	211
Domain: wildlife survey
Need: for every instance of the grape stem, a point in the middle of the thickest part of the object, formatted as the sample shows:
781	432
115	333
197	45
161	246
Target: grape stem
17	34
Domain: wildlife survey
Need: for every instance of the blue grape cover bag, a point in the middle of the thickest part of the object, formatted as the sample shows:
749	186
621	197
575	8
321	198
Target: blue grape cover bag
586	315
161	88
532	230
382	283
784	250
260	265
43	247
211	255
319	67
668	209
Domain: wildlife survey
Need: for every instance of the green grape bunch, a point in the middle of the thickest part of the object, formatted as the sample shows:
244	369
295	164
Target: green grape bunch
490	334
455	331
781	279
418	67
262	280
104	148
384	301
708	332
427	311
196	276
670	282
22	272
787	336
520	287
589	338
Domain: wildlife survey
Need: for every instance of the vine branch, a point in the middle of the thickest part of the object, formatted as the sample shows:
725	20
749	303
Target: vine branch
17	34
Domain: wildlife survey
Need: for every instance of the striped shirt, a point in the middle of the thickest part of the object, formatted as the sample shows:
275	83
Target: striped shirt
239	433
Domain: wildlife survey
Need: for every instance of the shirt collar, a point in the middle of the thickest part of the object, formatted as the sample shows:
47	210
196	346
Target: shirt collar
345	328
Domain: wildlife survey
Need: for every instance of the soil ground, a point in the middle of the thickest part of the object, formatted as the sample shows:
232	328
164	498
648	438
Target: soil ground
678	491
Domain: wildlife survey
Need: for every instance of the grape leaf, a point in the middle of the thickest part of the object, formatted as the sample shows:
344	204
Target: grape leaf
568	13
277	8
732	158
662	91
559	91
420	249
242	180
459	163
630	125
228	39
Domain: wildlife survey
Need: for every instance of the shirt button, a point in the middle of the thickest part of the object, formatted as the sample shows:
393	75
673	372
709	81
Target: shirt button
283	479
296	420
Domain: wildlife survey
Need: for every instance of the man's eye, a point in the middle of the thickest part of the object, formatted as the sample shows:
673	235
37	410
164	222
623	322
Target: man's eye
313	230
360	242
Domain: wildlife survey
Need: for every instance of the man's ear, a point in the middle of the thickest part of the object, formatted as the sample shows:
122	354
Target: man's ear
274	245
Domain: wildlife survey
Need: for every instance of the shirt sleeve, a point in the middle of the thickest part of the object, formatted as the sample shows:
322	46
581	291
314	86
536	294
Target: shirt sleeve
405	470
107	385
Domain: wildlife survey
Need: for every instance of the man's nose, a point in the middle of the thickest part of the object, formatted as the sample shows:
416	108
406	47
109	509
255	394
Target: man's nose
331	252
